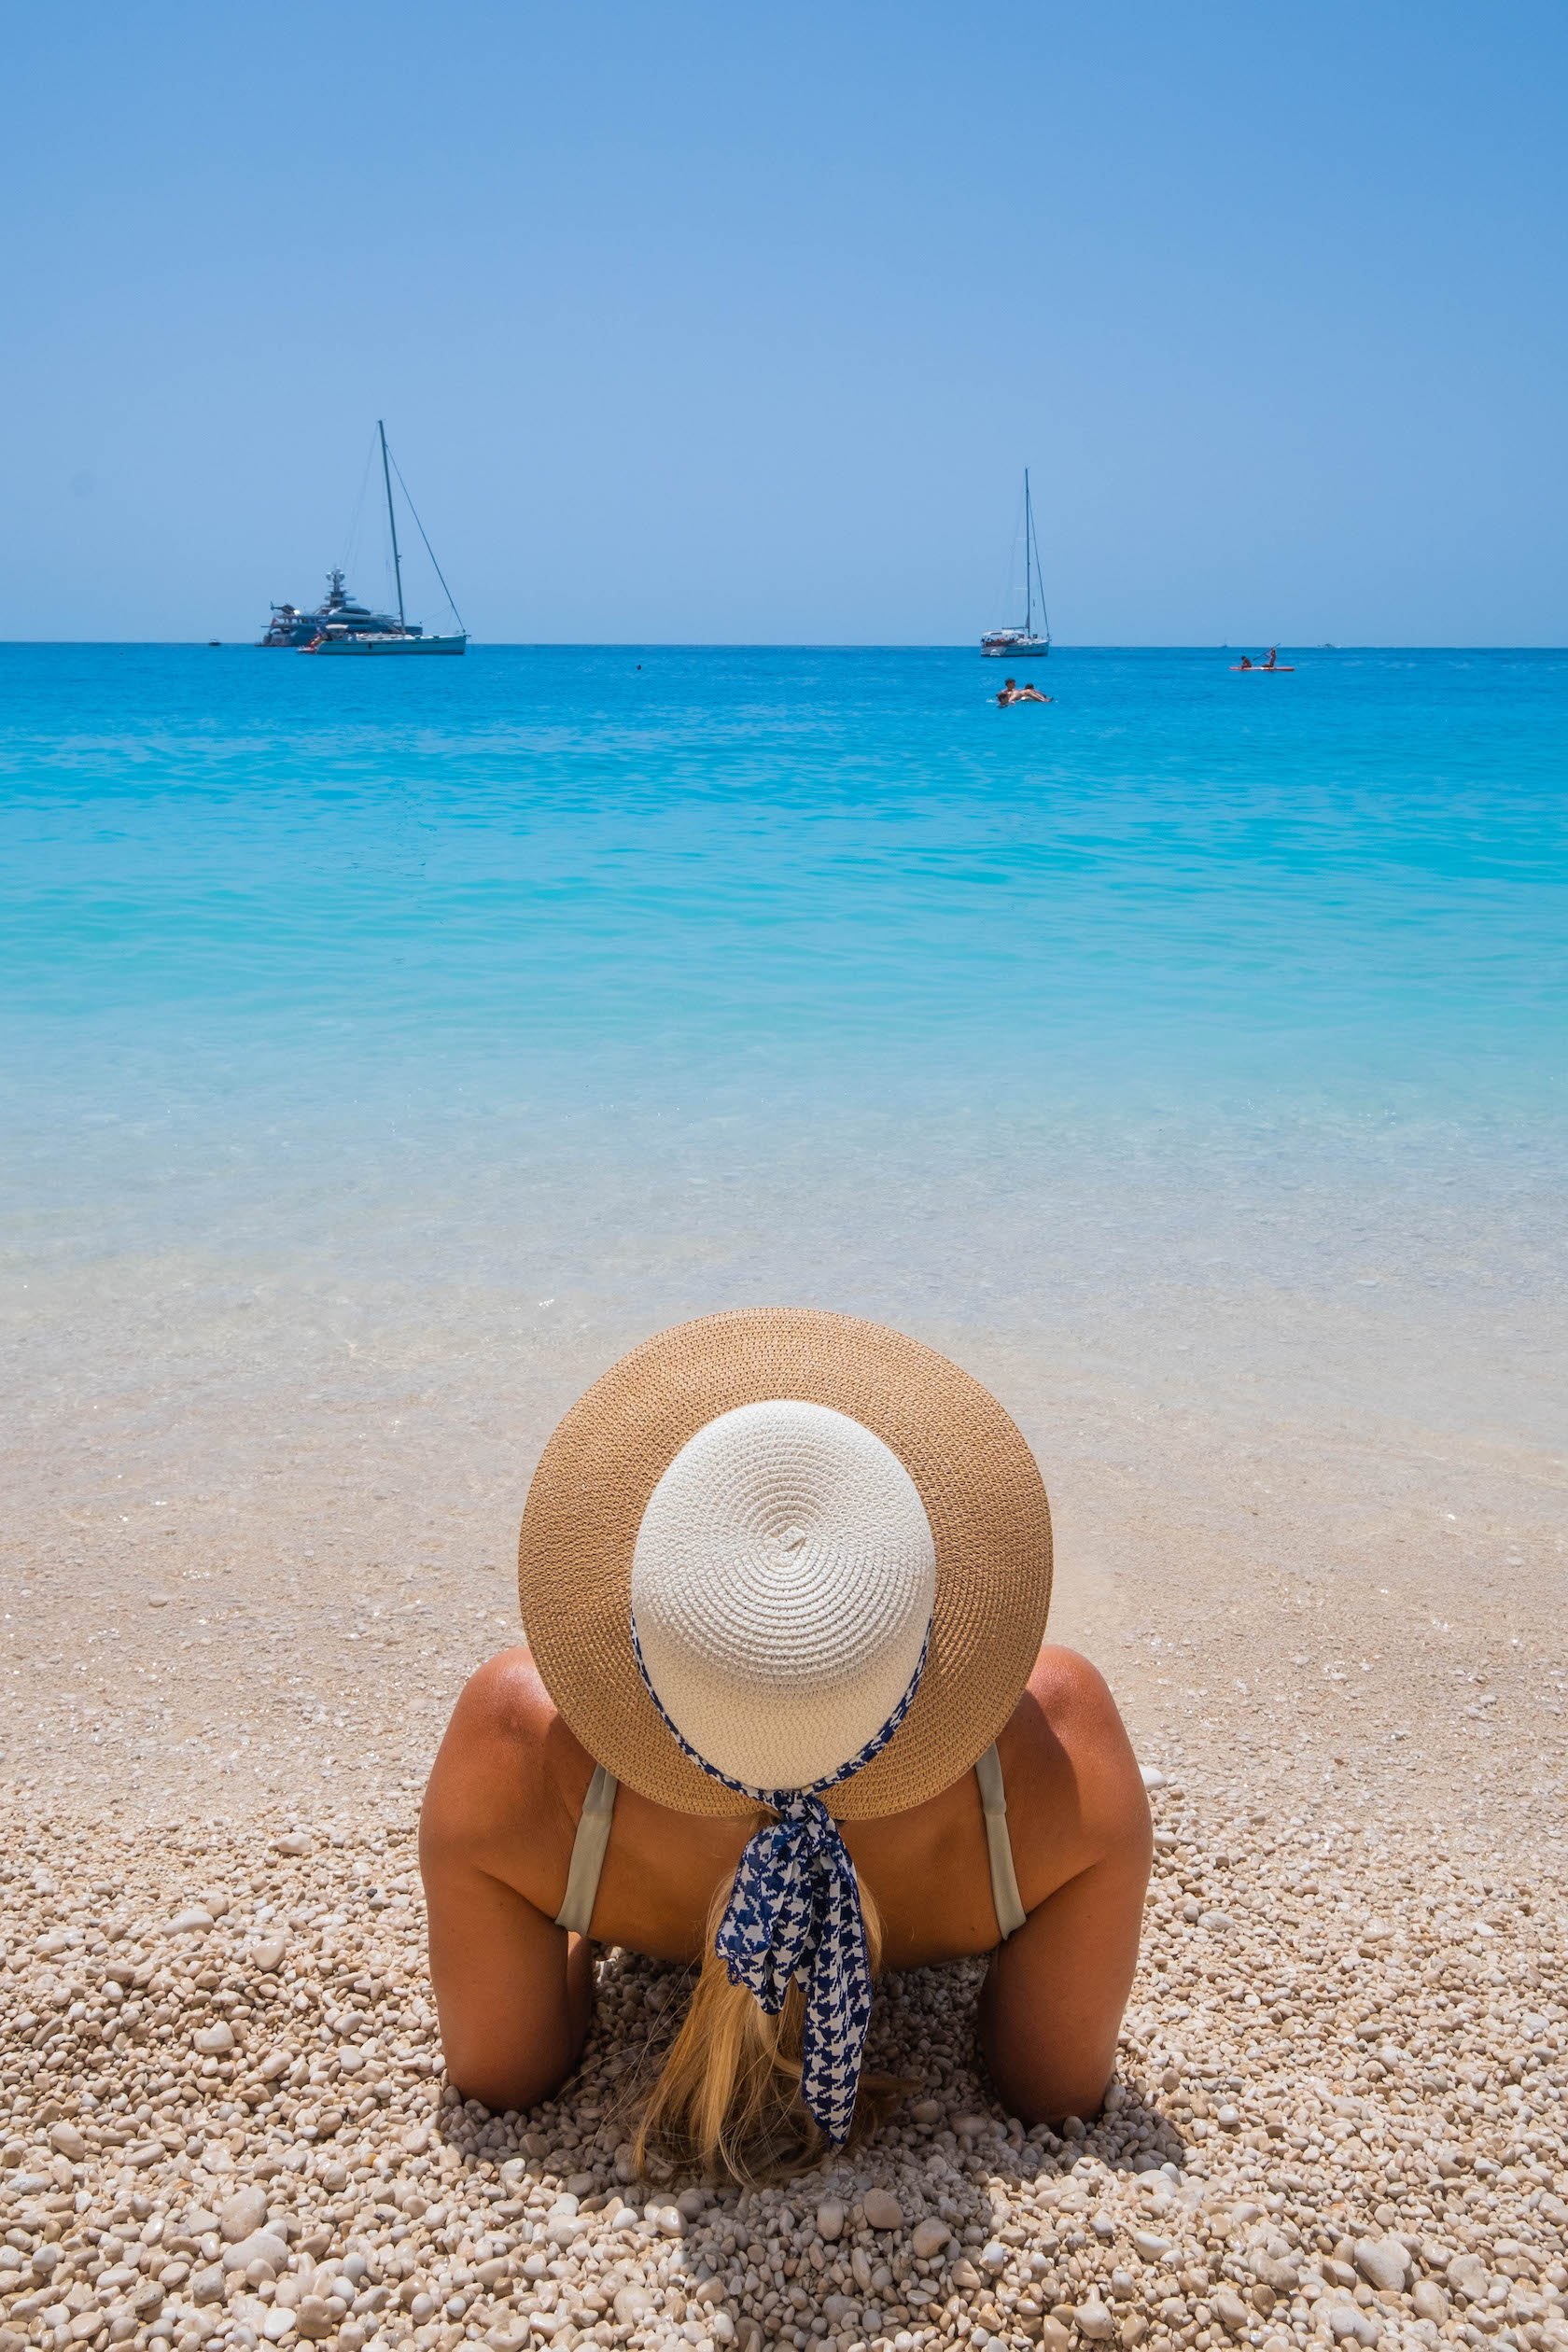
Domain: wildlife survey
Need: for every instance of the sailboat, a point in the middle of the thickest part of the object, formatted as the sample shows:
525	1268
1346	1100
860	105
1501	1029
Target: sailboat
1005	643
345	627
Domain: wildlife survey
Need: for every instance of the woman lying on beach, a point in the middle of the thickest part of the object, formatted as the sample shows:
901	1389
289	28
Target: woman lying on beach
785	1712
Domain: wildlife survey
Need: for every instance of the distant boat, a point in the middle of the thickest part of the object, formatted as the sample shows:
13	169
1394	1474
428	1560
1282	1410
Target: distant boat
1006	643
342	625
338	610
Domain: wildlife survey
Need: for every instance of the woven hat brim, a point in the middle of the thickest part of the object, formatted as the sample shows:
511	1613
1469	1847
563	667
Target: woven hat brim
977	1479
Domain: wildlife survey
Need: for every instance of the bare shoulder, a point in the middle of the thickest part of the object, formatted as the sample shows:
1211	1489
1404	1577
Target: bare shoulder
1074	1792
509	1774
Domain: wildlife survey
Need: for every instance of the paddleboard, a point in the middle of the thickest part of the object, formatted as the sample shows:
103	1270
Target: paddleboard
1263	669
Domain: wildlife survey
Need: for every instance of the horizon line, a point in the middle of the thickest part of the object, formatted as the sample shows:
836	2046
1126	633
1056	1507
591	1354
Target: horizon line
835	645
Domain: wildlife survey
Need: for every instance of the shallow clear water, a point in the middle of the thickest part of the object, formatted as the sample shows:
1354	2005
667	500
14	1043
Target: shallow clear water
790	973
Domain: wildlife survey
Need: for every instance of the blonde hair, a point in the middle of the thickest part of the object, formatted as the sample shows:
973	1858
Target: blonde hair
728	2099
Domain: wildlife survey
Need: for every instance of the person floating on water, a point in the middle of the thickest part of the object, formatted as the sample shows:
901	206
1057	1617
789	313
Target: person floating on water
785	1718
1013	693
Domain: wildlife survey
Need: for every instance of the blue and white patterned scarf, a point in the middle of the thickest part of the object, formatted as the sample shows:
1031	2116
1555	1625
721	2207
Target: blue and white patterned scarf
796	1917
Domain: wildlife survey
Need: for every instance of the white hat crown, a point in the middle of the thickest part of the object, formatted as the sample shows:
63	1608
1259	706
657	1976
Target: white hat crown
782	1586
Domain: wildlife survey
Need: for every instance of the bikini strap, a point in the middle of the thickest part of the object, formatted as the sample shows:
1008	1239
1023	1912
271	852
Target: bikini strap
588	1853
1009	1911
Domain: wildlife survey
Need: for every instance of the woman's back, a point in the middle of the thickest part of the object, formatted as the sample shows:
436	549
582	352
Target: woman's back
507	1795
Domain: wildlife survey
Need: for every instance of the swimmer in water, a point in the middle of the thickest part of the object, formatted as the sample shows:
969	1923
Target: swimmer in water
1029	692
1009	691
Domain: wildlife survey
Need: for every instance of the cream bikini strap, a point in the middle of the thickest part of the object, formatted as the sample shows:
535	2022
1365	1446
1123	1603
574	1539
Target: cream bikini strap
1009	1911
588	1853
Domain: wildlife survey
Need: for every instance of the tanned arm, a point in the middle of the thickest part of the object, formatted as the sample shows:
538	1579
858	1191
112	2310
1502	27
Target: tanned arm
1053	2001
514	1991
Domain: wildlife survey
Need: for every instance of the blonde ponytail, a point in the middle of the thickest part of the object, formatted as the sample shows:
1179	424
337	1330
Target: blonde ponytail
728	2100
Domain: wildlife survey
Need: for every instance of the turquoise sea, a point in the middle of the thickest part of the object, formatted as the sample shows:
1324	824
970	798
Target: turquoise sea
646	980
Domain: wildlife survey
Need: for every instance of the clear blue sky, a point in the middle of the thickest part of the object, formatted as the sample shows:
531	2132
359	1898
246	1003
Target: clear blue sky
722	323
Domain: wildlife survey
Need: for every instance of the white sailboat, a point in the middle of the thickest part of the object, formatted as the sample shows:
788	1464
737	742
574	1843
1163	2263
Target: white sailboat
350	628
1007	643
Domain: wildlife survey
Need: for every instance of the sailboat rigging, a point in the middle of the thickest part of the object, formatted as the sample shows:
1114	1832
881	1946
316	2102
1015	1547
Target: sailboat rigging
340	625
1021	637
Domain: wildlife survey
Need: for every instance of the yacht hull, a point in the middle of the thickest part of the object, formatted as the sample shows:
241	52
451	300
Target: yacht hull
1034	648
367	645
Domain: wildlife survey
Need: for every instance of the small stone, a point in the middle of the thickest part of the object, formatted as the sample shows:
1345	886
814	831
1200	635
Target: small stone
268	1955
926	2111
67	2141
1153	1777
972	2126
1093	2320
1348	2319
193	1921
1054	2337
207	2284
242	2215
294	1841
881	2211
1152	2248
1384	2263
1231	2311
633	2304
315	2318
1469	2277
993	2256
214	2039
262	2246
963	2273
1429	2300
929	2237
830	2218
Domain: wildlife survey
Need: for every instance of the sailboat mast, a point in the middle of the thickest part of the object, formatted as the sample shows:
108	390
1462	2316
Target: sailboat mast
392	523
1028	572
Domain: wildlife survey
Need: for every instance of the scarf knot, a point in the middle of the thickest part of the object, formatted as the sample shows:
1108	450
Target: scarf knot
794	1918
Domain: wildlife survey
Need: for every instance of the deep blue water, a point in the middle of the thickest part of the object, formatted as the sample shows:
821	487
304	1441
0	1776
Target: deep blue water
823	868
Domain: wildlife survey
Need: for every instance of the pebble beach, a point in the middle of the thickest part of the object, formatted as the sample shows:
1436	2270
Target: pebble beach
1339	2114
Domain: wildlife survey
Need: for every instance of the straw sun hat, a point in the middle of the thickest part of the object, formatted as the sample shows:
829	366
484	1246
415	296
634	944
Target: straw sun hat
767	1541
